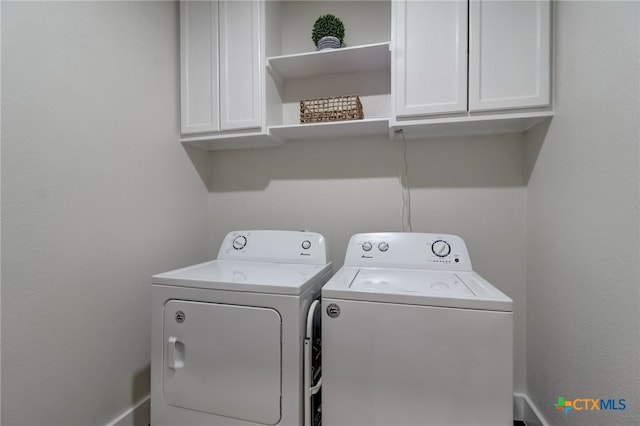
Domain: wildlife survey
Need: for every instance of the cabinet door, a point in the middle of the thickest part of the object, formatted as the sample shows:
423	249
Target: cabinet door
199	67
509	54
240	64
430	57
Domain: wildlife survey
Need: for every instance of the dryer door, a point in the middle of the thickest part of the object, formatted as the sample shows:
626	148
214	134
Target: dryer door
223	360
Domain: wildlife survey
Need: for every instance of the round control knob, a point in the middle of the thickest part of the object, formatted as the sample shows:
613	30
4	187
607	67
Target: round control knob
441	248
239	242
306	244
366	246
383	246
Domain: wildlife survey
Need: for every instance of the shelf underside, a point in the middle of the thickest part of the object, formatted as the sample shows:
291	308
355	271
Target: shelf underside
468	126
423	129
369	57
239	141
336	129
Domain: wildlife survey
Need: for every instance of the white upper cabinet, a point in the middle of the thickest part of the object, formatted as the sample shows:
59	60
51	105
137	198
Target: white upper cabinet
429	69
453	67
509	54
222	73
199	67
506	80
240	65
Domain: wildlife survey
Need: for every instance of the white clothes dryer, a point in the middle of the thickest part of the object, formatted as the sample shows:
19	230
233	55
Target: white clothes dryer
413	336
228	336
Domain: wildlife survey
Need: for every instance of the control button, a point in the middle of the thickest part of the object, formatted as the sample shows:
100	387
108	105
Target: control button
366	246
306	244
239	242
383	246
441	248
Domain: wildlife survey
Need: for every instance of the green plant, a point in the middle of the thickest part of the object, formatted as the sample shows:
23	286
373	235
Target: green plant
327	25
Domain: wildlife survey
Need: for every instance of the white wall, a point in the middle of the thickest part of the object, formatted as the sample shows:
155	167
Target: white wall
364	21
97	195
467	186
583	292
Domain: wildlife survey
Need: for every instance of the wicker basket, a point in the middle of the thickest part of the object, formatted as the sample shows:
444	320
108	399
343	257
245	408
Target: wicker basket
331	109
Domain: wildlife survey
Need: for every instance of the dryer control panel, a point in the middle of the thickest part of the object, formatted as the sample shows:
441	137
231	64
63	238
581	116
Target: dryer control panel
275	246
408	250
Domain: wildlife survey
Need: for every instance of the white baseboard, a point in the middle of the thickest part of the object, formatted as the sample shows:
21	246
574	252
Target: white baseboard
525	410
138	415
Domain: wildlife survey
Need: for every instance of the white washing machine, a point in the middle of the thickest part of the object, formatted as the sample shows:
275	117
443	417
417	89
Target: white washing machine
413	336
228	336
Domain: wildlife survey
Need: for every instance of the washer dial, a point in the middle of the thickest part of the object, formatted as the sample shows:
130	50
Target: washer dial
441	248
366	246
383	246
239	242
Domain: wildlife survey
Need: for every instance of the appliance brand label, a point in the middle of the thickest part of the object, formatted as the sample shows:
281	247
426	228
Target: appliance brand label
333	310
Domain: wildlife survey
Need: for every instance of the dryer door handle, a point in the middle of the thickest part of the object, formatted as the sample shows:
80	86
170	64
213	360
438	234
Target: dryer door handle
175	353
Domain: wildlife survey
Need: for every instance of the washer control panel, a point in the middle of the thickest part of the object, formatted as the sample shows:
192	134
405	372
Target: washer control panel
408	250
275	246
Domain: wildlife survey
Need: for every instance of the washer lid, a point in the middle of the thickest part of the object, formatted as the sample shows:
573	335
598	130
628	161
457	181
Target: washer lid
458	289
439	284
256	277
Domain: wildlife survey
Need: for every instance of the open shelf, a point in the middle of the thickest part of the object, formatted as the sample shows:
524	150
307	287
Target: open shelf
369	57
361	62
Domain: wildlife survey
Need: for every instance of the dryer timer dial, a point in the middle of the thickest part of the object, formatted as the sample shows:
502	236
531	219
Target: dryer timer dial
239	242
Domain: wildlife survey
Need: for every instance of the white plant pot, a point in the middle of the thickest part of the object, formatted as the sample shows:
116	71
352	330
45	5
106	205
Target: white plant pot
328	42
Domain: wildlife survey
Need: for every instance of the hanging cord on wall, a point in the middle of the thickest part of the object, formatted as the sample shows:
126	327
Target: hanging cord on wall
403	171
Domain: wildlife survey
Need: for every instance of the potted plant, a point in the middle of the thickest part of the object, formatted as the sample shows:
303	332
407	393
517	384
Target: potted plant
328	32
